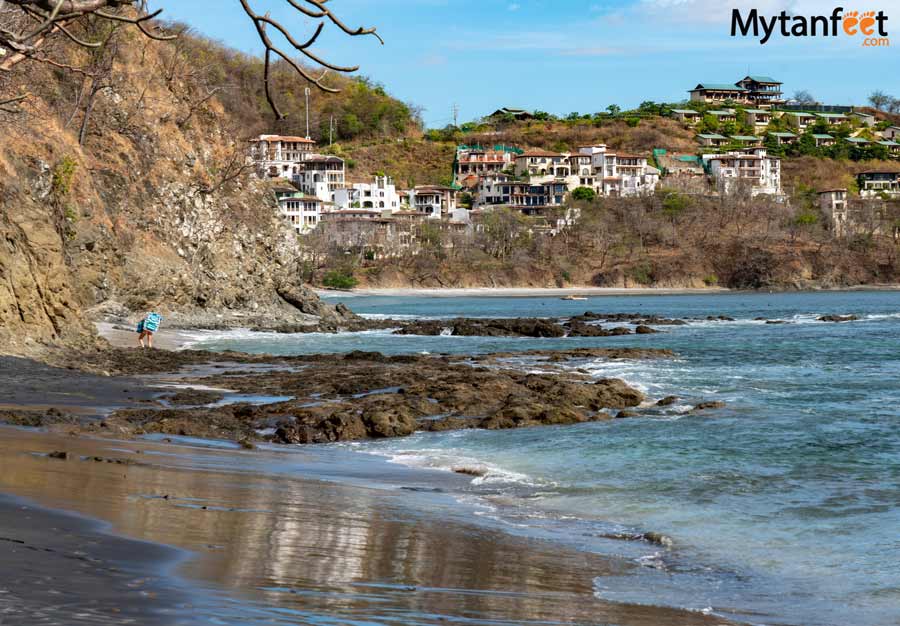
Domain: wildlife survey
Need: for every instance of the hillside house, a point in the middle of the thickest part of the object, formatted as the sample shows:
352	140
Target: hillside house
864	119
833	203
784	138
712	139
877	182
278	156
518	114
380	194
858	141
542	164
302	212
892	146
833	119
478	162
747	140
724	115
757	118
748	171
636	176
800	120
761	91
718	92
620	174
435	200
891	132
319	175
823	140
687	116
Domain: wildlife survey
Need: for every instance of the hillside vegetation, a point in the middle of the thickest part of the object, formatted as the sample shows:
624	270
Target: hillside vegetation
129	187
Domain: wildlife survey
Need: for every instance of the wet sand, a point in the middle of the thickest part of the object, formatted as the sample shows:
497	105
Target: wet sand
272	543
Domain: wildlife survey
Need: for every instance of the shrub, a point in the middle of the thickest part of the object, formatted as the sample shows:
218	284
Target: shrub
336	279
63	175
583	193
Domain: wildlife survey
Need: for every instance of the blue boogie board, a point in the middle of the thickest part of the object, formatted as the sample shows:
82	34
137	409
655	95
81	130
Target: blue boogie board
140	326
151	323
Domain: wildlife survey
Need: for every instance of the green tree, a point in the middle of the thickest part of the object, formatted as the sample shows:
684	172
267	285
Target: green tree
583	194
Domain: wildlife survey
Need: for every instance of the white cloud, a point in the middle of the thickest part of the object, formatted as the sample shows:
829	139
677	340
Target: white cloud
515	6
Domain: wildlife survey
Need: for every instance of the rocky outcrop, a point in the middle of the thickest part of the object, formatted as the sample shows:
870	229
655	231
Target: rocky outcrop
358	396
839	318
469	327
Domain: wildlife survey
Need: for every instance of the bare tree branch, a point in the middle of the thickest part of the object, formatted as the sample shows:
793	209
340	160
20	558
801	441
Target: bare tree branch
34	22
320	12
16	100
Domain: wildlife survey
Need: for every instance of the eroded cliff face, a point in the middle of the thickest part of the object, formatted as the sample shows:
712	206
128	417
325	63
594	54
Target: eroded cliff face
145	214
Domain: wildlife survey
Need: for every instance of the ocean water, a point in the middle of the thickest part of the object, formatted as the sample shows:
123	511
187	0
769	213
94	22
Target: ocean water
782	508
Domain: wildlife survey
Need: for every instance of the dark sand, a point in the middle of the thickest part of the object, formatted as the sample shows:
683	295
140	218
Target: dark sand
272	544
63	569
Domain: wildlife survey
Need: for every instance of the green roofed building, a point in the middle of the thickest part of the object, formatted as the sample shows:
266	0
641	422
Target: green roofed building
712	139
782	138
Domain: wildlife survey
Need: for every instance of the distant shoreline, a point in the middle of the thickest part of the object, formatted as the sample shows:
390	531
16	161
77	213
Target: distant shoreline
549	292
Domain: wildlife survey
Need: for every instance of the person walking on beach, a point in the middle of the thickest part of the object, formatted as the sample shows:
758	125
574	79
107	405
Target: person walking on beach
147	327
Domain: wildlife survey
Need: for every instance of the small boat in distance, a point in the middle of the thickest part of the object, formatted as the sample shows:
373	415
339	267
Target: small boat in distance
574	298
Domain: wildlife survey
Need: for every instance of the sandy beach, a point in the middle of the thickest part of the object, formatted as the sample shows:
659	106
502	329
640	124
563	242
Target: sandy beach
269	547
517	292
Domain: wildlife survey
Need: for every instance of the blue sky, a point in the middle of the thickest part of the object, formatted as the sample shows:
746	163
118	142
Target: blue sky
567	55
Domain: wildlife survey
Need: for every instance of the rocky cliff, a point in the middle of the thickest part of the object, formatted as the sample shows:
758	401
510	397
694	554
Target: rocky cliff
152	210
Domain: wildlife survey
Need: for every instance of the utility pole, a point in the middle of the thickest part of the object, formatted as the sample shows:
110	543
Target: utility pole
331	131
455	112
306	91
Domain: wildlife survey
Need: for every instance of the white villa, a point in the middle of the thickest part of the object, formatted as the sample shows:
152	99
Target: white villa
434	200
302	212
294	158
381	194
278	156
750	169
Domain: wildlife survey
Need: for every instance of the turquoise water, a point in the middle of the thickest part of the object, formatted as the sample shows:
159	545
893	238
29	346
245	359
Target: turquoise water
783	508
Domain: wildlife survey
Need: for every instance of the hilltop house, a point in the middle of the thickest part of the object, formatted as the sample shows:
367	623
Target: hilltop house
718	92
877	182
823	140
519	114
761	91
750	170
758	91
